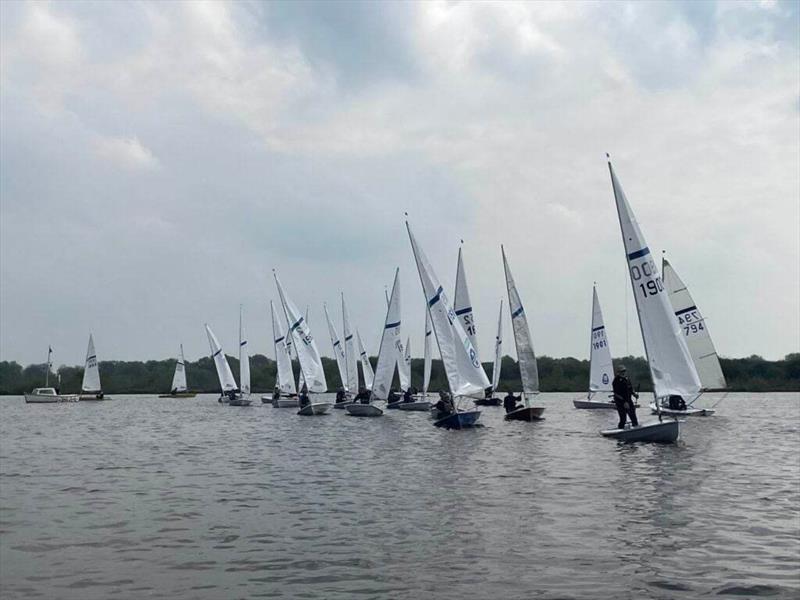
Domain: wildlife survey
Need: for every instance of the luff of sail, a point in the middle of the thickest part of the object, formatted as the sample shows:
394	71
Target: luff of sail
465	374
283	358
498	350
350	358
694	329
224	374
427	356
304	344
462	304
390	338
91	371
179	378
526	357
366	366
244	359
671	365
601	368
338	351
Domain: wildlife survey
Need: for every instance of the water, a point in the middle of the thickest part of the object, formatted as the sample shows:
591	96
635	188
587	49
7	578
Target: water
185	498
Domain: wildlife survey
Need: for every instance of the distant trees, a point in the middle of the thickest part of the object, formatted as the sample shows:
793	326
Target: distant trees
556	374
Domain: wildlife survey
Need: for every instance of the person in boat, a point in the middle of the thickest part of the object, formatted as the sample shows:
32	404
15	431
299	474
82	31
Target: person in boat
488	393
408	395
445	404
231	394
173	392
99	395
510	402
676	402
362	396
276	393
304	400
340	396
393	397
623	392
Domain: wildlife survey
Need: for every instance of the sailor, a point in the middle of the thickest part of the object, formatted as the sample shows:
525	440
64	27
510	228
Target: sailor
510	402
393	397
488	392
623	390
174	392
231	395
276	393
408	395
444	405
99	395
340	396
304	401
362	396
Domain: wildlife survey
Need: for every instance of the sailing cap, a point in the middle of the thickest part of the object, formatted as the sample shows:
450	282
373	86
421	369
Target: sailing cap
621	369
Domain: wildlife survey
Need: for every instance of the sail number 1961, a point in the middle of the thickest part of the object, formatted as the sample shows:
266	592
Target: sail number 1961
652	284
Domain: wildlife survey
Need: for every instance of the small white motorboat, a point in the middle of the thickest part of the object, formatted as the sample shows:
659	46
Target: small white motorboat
363	410
665	432
317	408
48	395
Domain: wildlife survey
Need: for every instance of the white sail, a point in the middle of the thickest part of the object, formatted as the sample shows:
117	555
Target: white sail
366	366
463	306
351	359
91	372
338	350
226	380
179	378
671	365
428	357
244	359
695	330
601	369
526	357
283	359
498	350
464	371
304	345
390	340
405	372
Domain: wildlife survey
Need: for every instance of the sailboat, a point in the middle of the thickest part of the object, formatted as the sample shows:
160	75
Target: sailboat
601	368
350	356
465	375
413	405
178	386
366	366
526	358
671	366
227	383
46	394
286	396
338	353
387	356
90	387
698	339
403	357
243	397
490	399
307	353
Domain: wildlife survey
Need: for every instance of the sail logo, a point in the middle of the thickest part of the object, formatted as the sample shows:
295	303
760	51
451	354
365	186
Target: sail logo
605	378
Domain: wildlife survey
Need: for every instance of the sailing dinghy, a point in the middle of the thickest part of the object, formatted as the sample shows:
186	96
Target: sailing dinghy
414	405
178	387
338	352
698	339
601	368
366	366
526	358
490	399
243	397
90	386
227	383
671	366
285	395
307	354
465	375
350	356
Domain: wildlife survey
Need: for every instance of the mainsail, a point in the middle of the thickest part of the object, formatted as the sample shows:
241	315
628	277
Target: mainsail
366	366
428	358
390	338
601	369
464	371
528	367
404	365
283	358
304	344
244	359
695	330
463	306
179	378
351	360
338	351
498	350
671	365
91	372
226	380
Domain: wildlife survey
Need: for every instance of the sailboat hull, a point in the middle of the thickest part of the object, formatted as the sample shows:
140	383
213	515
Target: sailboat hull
665	432
526	413
41	399
286	403
319	408
592	404
179	395
342	405
460	420
240	401
421	406
489	402
363	410
689	412
92	398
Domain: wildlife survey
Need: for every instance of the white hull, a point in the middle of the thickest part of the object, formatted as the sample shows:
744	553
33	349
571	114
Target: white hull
89	397
284	402
363	410
689	412
342	405
663	432
593	404
416	406
37	399
319	408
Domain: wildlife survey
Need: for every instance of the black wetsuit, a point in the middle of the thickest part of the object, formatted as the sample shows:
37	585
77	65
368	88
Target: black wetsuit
510	402
623	392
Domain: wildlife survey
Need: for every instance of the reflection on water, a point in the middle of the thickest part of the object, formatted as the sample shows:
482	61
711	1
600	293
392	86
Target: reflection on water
185	498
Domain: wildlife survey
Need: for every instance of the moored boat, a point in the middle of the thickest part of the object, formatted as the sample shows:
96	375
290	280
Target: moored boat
48	395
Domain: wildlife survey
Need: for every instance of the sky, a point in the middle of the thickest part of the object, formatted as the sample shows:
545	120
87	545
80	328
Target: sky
159	160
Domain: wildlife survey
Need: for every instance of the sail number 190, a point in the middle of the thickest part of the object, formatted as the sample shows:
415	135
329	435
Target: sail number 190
652	285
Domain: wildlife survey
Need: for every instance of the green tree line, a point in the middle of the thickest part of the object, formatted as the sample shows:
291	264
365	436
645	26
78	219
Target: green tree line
752	374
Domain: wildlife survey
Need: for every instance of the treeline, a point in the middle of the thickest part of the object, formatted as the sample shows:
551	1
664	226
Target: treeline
753	374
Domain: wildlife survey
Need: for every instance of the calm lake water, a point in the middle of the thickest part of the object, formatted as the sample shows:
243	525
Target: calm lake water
184	498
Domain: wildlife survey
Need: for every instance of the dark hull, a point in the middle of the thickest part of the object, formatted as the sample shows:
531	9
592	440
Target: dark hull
179	395
488	402
461	420
530	413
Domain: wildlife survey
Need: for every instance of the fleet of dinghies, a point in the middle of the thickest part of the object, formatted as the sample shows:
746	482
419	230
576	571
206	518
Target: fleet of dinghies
682	360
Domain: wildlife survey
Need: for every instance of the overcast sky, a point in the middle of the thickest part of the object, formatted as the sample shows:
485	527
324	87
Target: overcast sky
158	160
